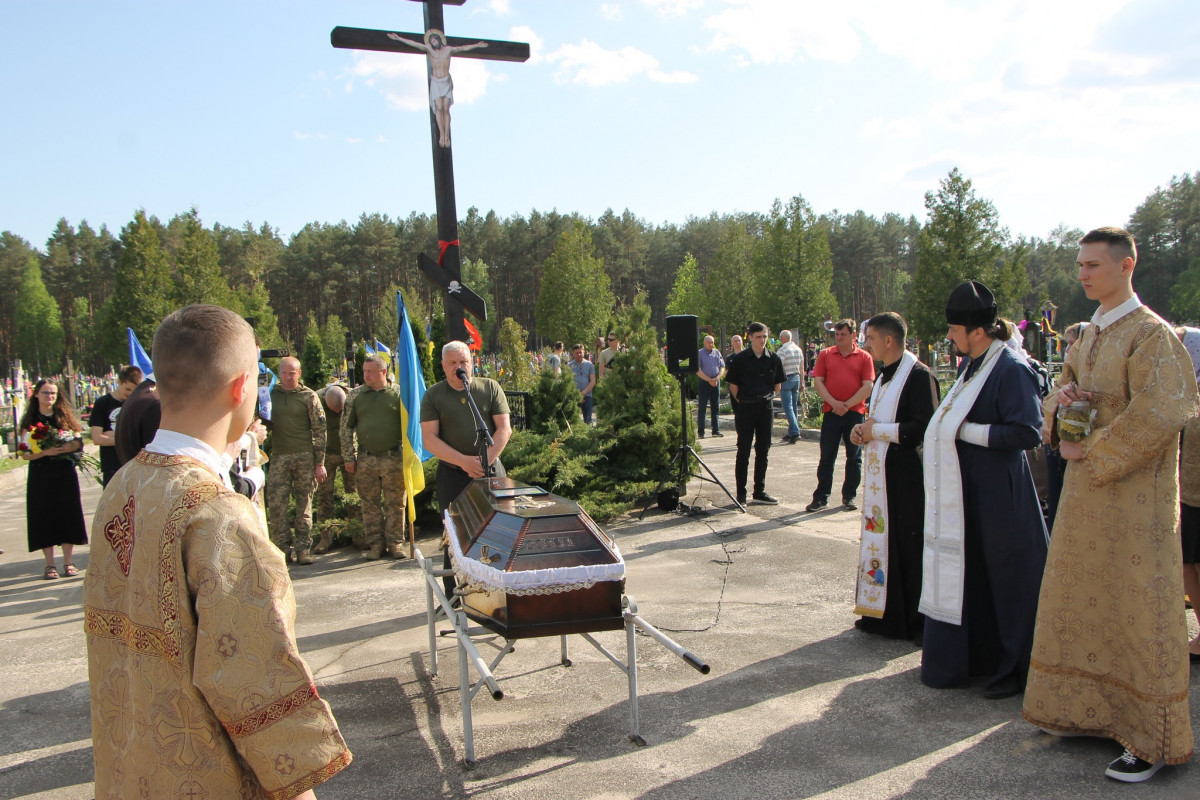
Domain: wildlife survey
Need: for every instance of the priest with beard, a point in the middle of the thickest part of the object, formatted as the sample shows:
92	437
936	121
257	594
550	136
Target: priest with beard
985	538
902	401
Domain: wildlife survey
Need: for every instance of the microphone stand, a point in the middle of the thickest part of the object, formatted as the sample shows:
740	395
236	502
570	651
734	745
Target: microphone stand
482	437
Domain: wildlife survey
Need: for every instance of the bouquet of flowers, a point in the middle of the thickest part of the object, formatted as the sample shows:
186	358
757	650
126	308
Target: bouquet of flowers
42	437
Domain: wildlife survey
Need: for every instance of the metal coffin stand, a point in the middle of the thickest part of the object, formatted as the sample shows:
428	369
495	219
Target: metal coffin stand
553	529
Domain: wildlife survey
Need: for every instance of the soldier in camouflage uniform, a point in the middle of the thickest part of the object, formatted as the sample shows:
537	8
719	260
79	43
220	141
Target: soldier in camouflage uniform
372	416
297	459
333	400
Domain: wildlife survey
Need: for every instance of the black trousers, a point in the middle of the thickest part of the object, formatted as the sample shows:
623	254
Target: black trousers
450	483
707	395
753	423
835	430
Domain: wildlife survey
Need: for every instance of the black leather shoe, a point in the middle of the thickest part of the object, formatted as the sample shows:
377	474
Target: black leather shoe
816	505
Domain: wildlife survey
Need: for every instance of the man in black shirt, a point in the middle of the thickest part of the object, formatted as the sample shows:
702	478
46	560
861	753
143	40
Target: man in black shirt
754	376
104	415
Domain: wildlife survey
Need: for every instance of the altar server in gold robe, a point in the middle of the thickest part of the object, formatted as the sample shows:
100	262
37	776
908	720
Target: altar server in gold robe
1110	653
197	685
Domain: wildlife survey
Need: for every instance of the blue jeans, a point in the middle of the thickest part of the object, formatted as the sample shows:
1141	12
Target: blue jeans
586	408
789	395
707	395
835	430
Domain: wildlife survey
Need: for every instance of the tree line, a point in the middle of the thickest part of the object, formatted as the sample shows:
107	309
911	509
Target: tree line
563	276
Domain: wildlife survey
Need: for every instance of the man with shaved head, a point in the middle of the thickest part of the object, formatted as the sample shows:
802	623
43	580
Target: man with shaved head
197	686
333	400
297	459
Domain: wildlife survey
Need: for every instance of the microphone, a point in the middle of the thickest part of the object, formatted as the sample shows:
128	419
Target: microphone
461	374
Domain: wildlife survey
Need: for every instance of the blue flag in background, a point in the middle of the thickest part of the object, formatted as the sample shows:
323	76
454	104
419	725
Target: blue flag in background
138	357
411	381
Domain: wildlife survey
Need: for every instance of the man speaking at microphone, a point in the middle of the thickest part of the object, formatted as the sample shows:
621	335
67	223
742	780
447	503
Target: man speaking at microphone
448	427
449	432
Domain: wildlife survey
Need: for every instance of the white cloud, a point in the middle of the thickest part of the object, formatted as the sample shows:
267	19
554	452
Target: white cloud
611	12
590	64
402	79
674	7
878	128
524	33
771	31
354	140
498	7
674	76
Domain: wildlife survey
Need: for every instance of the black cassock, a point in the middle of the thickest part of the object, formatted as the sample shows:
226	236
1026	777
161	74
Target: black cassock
906	506
1004	539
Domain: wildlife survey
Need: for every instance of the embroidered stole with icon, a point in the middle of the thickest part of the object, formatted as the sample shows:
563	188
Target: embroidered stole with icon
871	594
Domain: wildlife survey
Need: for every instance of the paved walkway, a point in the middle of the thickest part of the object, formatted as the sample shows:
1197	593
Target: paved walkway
798	704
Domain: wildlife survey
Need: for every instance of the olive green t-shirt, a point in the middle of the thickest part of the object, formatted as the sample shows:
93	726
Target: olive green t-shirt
448	407
372	416
297	422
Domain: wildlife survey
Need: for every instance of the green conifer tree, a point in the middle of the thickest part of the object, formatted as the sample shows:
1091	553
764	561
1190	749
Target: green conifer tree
38	323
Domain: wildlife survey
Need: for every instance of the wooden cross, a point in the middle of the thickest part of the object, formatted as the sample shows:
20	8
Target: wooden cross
446	270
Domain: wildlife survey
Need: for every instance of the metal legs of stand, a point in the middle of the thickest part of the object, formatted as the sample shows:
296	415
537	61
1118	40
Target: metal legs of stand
468	655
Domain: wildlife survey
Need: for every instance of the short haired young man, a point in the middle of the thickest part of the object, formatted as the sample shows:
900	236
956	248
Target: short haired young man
844	375
197	685
754	376
104	418
1111	643
893	518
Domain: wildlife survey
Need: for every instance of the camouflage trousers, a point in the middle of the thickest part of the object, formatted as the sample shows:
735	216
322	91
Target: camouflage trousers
380	483
333	462
290	475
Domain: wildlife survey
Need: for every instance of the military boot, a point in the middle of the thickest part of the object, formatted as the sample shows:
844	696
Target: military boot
324	544
303	557
374	552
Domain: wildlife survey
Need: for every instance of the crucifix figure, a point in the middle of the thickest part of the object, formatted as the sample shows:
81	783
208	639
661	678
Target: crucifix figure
441	86
446	271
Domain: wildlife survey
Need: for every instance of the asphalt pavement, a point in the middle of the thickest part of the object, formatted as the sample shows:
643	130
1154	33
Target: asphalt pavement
798	703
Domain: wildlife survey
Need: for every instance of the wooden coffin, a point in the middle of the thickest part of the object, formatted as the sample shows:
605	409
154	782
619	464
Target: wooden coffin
533	563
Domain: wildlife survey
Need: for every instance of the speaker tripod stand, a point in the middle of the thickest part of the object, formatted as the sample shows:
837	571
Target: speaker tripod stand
680	467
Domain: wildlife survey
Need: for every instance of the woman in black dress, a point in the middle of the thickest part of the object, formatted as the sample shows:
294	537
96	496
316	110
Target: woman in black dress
53	509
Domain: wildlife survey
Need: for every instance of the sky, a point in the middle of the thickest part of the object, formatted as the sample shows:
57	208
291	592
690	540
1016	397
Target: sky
1063	112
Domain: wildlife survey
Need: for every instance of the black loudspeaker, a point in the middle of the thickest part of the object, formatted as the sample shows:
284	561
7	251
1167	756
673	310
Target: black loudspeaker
683	342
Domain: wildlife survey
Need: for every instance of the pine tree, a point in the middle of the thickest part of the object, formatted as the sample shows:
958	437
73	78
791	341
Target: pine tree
198	276
312	362
637	402
141	288
687	295
518	375
961	240
575	297
38	324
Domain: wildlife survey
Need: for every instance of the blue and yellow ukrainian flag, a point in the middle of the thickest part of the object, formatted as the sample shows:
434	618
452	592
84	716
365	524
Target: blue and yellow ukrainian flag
137	356
411	381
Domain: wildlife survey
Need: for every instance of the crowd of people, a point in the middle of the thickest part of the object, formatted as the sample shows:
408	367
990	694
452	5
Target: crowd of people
1074	596
1084	615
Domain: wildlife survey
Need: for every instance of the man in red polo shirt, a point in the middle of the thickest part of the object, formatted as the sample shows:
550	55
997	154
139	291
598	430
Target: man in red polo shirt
843	376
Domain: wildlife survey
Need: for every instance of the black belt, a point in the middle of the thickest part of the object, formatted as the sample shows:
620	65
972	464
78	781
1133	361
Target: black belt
793	375
395	451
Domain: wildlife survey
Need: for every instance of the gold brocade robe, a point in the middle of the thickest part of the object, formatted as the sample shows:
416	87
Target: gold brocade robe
1110	651
197	686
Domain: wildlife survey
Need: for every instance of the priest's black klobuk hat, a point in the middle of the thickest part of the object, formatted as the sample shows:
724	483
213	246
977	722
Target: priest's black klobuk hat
972	305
